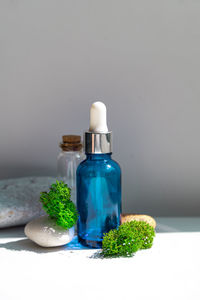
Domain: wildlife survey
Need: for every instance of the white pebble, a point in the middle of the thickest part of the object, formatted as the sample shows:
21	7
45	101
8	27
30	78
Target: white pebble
45	232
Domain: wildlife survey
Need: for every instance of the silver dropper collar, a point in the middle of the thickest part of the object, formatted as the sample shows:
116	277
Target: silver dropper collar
96	142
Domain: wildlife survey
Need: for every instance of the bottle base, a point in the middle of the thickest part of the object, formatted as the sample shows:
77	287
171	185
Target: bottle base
90	243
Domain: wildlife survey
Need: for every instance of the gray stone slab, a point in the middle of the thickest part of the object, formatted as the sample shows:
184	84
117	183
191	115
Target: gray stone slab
19	199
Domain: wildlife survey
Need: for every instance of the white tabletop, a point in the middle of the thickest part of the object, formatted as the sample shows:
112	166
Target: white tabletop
169	270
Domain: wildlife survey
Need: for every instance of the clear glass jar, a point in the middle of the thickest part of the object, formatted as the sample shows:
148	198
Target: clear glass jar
68	160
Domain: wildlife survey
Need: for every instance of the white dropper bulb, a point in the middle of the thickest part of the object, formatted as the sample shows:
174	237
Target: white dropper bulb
98	119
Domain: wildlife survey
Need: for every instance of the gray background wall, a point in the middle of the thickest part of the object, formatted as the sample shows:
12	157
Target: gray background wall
140	57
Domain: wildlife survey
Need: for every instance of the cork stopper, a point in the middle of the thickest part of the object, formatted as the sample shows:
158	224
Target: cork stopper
71	143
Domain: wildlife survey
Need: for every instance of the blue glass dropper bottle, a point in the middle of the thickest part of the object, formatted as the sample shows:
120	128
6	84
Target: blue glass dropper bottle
98	182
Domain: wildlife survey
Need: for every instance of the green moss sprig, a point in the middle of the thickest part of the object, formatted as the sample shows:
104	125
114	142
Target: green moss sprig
127	239
58	205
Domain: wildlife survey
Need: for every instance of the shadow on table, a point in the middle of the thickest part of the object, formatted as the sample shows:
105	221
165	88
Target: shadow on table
28	245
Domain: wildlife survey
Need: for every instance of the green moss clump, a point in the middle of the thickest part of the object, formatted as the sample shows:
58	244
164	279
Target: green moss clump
127	239
58	205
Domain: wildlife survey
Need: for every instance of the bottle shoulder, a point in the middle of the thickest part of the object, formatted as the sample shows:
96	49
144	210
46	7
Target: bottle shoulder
82	164
108	164
70	154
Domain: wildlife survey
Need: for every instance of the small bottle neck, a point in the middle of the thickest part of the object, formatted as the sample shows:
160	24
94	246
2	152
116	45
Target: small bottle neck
102	156
72	151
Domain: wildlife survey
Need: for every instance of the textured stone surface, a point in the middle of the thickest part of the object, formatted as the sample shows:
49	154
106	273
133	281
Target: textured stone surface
130	217
19	199
44	232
